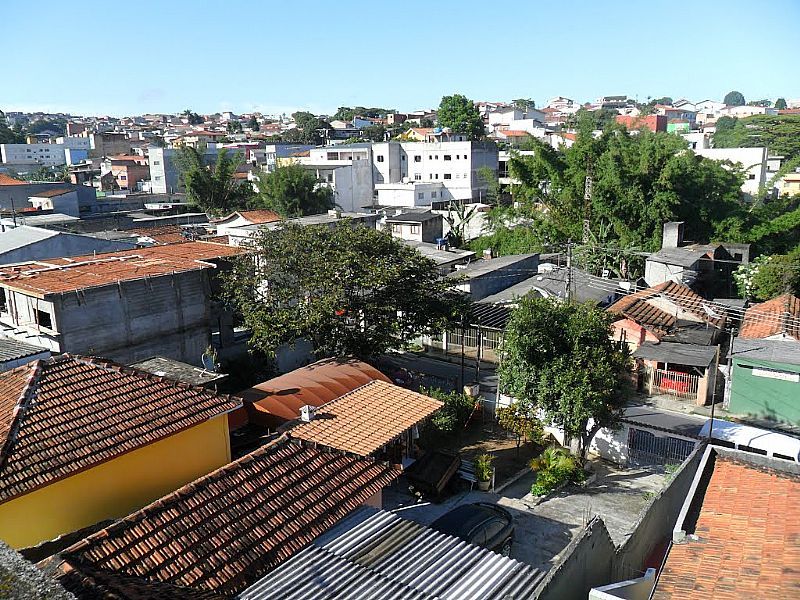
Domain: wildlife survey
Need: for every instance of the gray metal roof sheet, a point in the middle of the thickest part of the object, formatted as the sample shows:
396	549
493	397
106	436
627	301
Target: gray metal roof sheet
484	266
676	353
11	349
376	554
787	352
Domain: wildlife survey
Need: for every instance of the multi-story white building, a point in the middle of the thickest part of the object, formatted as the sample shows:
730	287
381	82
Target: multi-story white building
752	160
48	155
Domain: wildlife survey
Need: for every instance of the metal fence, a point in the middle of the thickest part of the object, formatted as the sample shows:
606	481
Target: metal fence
646	448
674	383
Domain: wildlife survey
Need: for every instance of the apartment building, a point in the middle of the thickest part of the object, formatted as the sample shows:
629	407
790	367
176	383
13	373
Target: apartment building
46	155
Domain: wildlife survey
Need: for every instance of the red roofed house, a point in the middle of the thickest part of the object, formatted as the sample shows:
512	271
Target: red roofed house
83	440
126	170
652	122
776	319
241	218
127	305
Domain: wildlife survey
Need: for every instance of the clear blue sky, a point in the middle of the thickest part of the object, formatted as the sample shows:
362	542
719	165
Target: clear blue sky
275	56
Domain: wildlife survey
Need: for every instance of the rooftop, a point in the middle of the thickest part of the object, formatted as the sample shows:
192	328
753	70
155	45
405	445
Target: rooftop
779	316
780	351
224	531
742	525
12	349
23	235
169	368
394	558
6	180
440	257
413	217
67	413
676	353
51	193
54	276
256	217
485	266
366	419
41	220
665	307
685	256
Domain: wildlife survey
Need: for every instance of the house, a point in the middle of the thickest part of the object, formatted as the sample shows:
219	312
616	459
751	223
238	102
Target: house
220	534
376	419
14	353
488	276
753	161
776	319
127	306
346	170
681	113
765	380
14	193
182	372
687	371
241	218
82	437
343	563
416	226
446	258
741	112
277	401
736	533
790	184
126	170
60	200
706	267
651	122
668	312
25	243
164	172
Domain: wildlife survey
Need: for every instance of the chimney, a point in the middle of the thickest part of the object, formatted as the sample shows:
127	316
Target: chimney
673	234
307	413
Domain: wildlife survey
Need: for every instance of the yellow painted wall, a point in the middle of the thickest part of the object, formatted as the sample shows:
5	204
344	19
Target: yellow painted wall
115	488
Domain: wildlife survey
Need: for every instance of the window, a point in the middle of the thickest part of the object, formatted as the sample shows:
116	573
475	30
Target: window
403	157
380	157
751	176
44	319
433	194
417	158
430	156
156	162
417	176
421	196
447	176
448	157
436	176
123	176
330	177
3	301
397	228
415	229
158	177
466	157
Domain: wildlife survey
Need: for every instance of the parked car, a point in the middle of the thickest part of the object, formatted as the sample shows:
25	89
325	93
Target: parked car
483	524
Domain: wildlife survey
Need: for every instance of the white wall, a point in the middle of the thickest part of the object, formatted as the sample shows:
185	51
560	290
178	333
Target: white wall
752	160
44	154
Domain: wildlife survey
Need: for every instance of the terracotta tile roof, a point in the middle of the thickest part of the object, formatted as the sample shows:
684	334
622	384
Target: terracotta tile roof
6	180
166	234
279	399
54	276
749	539
222	532
514	133
369	417
256	217
779	316
51	193
659	308
65	414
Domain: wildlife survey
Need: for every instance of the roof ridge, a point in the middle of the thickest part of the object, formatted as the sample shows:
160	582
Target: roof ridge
20	408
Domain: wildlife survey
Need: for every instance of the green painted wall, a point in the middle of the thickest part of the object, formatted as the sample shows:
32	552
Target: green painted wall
765	397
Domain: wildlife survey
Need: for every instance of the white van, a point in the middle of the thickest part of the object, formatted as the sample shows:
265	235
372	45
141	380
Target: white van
753	439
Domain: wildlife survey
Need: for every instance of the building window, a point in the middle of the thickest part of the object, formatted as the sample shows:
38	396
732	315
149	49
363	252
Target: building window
433	194
466	157
330	177
417	158
448	157
380	157
3	301
403	157
417	176
415	229
751	176
156	162
158	177
436	176
430	156
44	319
421	196
397	228
448	176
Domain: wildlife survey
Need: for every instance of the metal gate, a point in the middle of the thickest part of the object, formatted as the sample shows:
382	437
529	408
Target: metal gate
646	448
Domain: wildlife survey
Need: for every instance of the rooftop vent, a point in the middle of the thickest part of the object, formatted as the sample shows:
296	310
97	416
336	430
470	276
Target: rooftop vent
307	413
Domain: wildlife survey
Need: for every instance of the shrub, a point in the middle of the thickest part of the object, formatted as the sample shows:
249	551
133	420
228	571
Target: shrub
483	467
455	412
554	467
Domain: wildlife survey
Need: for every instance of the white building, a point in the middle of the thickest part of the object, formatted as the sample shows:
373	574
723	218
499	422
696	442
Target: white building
752	160
347	171
708	111
512	117
48	155
747	111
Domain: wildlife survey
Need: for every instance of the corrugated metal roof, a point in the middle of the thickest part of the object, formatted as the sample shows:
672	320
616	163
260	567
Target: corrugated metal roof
376	554
493	316
681	354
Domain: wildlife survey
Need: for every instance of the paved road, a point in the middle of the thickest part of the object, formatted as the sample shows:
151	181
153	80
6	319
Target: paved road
447	370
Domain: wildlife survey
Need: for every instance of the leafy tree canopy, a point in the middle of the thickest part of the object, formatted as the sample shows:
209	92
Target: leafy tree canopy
8	135
559	358
213	187
460	114
779	133
769	276
310	128
193	117
346	113
292	191
780	103
234	126
349	289
734	99
253	125
524	103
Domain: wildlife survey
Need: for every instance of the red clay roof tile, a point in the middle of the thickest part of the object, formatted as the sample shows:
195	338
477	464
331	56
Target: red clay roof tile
65	414
779	316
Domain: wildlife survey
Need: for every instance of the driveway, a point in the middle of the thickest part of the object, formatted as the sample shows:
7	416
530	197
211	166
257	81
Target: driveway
544	530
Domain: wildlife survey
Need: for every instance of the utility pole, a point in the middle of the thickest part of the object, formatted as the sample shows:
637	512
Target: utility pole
568	290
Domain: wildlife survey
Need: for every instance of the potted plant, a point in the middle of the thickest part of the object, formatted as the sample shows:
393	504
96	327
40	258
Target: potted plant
483	471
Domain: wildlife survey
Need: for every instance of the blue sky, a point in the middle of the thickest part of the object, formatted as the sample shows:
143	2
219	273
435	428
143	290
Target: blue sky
275	56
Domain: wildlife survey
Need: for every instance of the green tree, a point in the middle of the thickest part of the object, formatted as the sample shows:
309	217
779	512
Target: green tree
374	133
458	218
454	415
779	133
780	103
524	103
293	191
520	419
252	124
461	115
234	126
769	276
311	129
8	135
192	117
213	188
348	289
734	99
559	358
344	113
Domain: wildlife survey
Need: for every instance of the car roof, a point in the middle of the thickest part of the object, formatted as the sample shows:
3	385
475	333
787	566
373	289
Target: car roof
466	517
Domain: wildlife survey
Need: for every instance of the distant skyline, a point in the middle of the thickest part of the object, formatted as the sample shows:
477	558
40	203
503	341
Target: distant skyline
85	59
